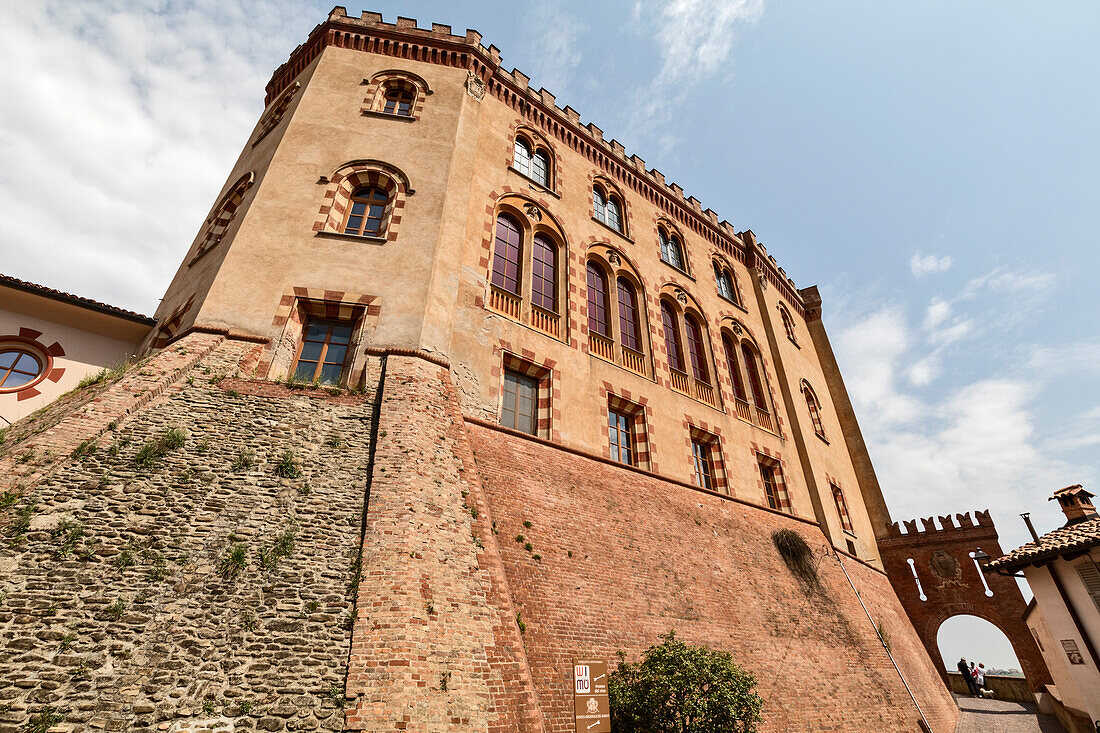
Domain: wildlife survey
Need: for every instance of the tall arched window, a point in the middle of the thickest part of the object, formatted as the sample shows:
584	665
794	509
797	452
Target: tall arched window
521	160
842	509
725	283
607	207
672	338
544	272
532	161
696	349
788	323
540	168
598	321
506	255
734	369
752	369
366	212
671	250
398	101
629	331
815	412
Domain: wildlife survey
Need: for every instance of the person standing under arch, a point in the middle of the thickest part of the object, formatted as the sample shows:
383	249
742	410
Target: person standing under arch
964	670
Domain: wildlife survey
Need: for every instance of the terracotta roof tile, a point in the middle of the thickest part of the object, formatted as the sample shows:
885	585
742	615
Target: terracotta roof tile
28	287
1080	536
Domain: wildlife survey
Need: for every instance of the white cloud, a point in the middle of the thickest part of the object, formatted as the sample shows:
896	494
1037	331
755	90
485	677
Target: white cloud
971	446
120	124
921	264
555	46
695	39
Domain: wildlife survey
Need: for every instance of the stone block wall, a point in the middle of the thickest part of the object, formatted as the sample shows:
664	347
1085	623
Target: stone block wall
123	607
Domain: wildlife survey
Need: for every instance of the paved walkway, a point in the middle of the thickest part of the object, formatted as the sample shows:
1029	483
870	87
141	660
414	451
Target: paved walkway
999	716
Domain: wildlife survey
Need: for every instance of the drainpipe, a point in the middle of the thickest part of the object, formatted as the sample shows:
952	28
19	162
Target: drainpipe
924	720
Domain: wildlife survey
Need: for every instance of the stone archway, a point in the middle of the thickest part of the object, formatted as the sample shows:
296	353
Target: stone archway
935	577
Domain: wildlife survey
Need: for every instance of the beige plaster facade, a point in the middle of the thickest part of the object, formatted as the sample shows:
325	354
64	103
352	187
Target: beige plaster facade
71	337
1076	677
272	249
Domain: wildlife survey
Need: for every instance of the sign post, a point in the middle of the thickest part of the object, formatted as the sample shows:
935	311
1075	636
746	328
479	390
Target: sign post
591	705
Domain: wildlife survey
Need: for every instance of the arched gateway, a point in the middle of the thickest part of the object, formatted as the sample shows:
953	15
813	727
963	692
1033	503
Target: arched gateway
934	573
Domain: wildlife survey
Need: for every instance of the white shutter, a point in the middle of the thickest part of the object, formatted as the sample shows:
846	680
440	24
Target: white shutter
1090	575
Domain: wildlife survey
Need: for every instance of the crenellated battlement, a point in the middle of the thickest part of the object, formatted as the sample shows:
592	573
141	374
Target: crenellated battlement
405	39
947	524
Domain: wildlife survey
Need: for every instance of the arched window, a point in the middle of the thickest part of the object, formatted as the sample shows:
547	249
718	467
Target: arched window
815	412
506	255
752	369
734	369
366	212
608	208
597	301
725	283
671	250
521	160
532	161
540	168
788	323
398	101
544	272
18	367
696	349
672	338
629	331
842	508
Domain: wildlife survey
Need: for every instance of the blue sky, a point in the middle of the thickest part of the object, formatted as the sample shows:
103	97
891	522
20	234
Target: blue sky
931	166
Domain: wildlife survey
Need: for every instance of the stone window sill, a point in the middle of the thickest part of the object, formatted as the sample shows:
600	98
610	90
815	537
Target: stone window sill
613	230
387	115
535	184
352	237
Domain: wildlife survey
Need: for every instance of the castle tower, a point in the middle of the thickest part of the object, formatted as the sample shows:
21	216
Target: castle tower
448	392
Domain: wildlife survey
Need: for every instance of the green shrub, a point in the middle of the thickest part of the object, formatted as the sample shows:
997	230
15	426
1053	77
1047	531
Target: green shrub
677	688
287	465
246	459
153	450
116	609
45	719
235	560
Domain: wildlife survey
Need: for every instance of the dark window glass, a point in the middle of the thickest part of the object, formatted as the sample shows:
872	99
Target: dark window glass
522	159
597	301
506	255
696	349
628	316
842	508
725	283
753	372
17	367
398	102
815	413
520	408
704	468
366	211
621	435
788	324
324	350
735	371
544	272
771	487
672	338
540	168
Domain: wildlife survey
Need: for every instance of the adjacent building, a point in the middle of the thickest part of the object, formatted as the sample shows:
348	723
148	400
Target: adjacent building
1063	569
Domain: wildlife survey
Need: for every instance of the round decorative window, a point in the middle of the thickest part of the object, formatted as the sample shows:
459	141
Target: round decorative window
19	367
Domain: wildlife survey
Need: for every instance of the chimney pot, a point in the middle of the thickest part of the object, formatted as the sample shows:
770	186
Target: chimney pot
1076	504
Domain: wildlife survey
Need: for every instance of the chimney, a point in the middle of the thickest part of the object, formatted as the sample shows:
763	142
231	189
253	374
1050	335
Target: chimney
1076	503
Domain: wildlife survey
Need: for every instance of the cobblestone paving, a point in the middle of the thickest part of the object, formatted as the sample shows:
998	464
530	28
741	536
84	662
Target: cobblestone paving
999	716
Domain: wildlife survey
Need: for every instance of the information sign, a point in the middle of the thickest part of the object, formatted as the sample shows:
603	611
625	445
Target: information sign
591	705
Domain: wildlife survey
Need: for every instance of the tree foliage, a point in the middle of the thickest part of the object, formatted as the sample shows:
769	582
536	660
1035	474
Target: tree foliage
678	688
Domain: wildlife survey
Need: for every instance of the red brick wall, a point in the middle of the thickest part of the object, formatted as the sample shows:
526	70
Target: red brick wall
649	556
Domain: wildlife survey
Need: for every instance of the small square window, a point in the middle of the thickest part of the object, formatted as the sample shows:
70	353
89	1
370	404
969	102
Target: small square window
775	491
704	464
620	429
519	410
323	351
